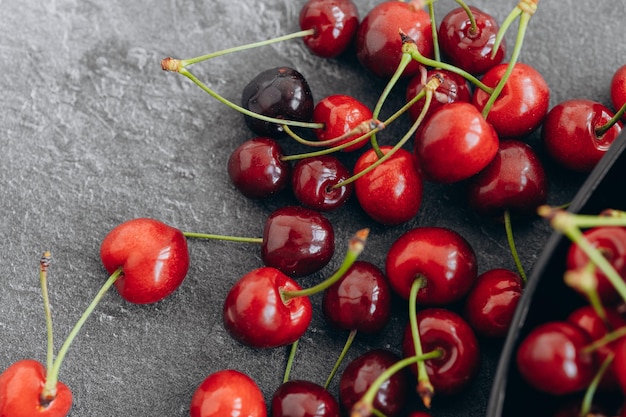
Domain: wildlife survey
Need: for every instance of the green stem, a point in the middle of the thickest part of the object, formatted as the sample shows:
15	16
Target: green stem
504	27
223	237
44	263
470	16
290	359
342	355
605	340
600	131
433	29
364	129
585	408
512	247
425	388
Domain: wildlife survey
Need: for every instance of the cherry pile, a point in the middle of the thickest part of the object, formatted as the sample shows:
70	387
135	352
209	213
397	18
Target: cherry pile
469	105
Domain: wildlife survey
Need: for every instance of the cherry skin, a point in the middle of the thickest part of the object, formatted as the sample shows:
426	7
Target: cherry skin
618	89
455	143
569	133
440	256
361	373
335	23
256	315
491	303
360	300
297	241
391	193
442	329
256	169
521	106
378	43
313	180
340	114
228	393
21	385
299	398
515	180
153	256
281	93
619	364
467	48
551	359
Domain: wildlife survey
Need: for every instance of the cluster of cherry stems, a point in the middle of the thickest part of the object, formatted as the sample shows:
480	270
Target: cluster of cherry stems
470	113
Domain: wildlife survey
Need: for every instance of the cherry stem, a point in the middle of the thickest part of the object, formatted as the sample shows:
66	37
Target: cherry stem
364	129
434	34
292	354
470	16
585	408
605	340
355	247
600	131
342	355
510	239
44	263
223	237
584	280
52	377
608	217
425	388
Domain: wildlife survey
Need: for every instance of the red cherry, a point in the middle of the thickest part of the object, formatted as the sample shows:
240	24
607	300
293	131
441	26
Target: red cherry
297	241
256	169
521	106
618	89
491	303
468	47
551	359
255	314
313	182
619	364
340	114
455	143
298	398
335	23
441	256
21	385
378	42
445	330
228	393
515	180
569	133
153	256
391	193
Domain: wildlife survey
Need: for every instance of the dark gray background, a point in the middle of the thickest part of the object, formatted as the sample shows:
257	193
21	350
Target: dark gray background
95	133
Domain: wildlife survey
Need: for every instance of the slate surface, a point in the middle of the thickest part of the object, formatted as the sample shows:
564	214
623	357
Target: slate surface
95	133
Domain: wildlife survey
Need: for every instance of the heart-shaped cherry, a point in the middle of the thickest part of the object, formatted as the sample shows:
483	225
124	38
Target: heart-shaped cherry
300	398
313	182
335	23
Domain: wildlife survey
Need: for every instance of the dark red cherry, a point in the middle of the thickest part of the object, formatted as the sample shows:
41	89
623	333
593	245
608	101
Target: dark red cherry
297	241
619	364
256	169
570	137
551	358
618	89
378	43
440	256
299	398
469	47
282	93
515	180
340	114
335	23
442	329
363	371
313	179
360	300
491	303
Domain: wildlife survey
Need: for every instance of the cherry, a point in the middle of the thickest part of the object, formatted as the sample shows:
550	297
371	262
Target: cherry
335	23
281	93
491	303
455	143
441	257
574	133
300	398
228	393
256	169
618	89
340	114
152	255
443	330
468	43
552	360
378	43
391	193
619	364
313	182
521	105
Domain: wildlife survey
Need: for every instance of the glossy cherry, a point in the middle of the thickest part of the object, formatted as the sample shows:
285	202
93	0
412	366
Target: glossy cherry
300	398
153	257
551	358
391	193
455	143
256	314
340	113
21	386
440	256
228	393
442	329
335	23
491	303
569	133
313	180
378	43
618	89
281	93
